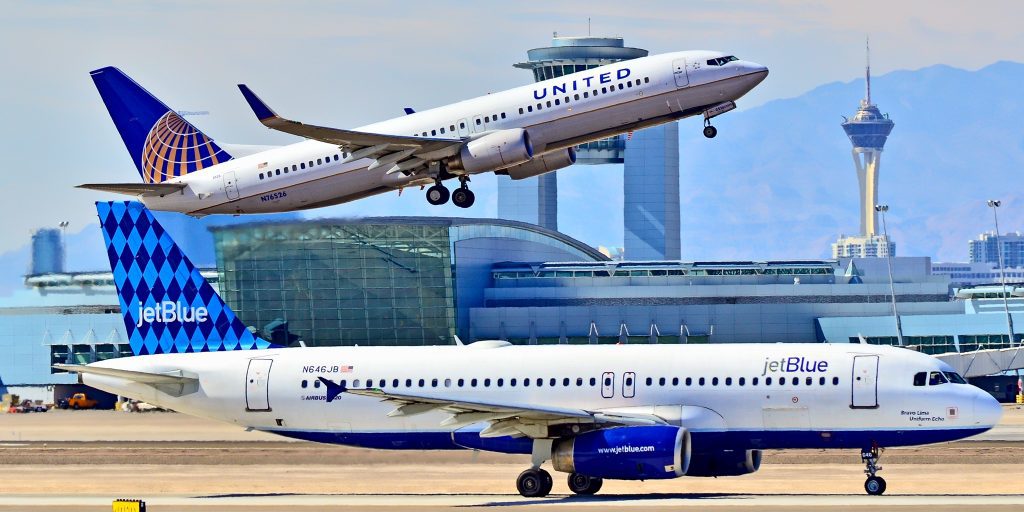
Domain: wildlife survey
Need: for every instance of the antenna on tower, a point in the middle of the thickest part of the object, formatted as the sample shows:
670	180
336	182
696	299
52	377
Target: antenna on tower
588	27
867	68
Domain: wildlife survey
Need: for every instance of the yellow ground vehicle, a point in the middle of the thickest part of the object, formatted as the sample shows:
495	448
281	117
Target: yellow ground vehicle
81	401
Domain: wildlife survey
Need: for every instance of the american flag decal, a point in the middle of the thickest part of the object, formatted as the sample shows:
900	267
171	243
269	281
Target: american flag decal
346	369
262	166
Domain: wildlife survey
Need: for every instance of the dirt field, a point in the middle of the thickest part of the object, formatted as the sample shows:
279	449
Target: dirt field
96	455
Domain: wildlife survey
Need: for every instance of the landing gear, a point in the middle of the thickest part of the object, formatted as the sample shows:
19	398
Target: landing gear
874	485
709	131
534	483
584	485
463	197
437	194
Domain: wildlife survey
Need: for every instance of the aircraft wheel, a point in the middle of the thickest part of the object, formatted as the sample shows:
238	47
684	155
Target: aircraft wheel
534	483
710	131
463	197
584	485
437	195
875	485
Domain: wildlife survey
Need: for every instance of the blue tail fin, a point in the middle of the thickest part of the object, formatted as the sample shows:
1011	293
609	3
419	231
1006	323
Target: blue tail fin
166	304
161	143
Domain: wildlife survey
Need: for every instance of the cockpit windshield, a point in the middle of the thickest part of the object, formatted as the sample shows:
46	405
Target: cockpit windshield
936	378
721	61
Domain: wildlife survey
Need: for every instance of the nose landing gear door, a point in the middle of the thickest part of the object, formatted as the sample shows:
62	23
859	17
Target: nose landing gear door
679	72
864	382
257	385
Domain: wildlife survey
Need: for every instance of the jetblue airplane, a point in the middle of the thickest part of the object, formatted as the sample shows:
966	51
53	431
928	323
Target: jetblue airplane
521	132
629	412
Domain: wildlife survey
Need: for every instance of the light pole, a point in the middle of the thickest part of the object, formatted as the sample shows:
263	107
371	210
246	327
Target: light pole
995	204
882	208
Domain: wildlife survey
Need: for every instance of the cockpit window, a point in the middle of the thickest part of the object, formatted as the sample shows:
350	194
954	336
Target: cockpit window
936	378
920	378
954	377
721	61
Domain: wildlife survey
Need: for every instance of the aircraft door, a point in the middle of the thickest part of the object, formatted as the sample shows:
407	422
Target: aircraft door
230	185
607	384
864	382
257	385
478	124
463	128
628	385
679	72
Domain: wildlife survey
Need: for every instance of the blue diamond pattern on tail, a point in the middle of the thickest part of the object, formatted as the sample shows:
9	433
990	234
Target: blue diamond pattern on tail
166	303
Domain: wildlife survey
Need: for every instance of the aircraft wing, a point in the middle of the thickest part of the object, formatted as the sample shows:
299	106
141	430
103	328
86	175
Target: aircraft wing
402	153
137	189
504	418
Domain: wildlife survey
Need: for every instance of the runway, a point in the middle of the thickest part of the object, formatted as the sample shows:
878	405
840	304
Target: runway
83	460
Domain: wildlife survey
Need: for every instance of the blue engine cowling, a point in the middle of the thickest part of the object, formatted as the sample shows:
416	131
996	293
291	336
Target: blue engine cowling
724	463
626	453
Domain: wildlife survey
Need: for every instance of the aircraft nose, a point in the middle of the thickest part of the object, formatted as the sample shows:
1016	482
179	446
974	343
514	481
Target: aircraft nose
754	70
987	411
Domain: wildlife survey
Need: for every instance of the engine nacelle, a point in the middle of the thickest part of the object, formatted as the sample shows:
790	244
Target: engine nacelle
541	165
724	463
626	453
493	151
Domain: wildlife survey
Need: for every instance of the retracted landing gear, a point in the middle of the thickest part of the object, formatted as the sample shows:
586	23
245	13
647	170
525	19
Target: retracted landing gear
584	485
437	194
463	197
534	483
874	485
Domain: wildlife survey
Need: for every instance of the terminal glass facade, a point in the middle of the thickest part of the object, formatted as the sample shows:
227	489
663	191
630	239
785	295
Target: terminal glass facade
340	284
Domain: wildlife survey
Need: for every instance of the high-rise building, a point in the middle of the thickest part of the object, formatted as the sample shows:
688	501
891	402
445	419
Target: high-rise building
47	252
868	131
651	207
985	249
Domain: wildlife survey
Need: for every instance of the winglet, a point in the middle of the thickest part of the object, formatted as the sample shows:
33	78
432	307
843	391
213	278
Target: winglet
257	105
409	111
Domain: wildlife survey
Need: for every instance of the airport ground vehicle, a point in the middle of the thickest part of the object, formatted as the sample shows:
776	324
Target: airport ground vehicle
80	401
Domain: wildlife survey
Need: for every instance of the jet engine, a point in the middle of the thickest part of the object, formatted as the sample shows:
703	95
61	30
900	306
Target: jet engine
541	165
493	151
626	453
724	463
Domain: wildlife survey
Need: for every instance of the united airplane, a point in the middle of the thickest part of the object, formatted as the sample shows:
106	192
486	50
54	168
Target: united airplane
521	132
629	412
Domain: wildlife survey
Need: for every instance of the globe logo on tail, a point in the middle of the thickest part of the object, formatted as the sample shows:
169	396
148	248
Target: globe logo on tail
175	148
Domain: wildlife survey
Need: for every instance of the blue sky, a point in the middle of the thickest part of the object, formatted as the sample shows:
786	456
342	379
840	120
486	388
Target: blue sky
348	64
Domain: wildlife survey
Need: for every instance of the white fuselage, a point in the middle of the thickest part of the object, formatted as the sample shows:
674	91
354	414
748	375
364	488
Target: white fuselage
558	114
727	396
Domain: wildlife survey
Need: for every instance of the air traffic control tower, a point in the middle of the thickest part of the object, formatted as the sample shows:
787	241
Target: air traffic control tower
868	130
651	158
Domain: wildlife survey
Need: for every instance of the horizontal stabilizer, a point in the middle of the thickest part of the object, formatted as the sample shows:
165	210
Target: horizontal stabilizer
137	189
140	377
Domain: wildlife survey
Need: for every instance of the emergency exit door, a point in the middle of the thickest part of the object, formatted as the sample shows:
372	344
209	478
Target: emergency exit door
607	384
230	185
864	382
257	385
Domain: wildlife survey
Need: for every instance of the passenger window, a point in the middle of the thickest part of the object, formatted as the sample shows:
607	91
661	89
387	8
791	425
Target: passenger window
487	383
689	381
701	381
782	381
628	84
433	132
647	80
675	381
539	105
835	381
461	382
355	383
552	382
286	170
810	380
477	123
335	158
629	381
549	103
261	175
394	383
540	382
661	381
422	383
920	378
593	381
638	82
442	129
767	381
607	381
451	128
796	381
753	382
316	384
433	383
310	163
319	161
557	102
447	383
408	383
472	383
742	381
565	381
487	119
462	125
526	383
503	115
604	90
302	165
576	97
529	108
714	381
586	94
304	384
279	171
621	87
512	382
728	381
650	381
579	381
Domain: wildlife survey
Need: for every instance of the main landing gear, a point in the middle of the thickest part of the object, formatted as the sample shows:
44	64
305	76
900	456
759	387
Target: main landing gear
874	485
534	483
462	197
584	485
